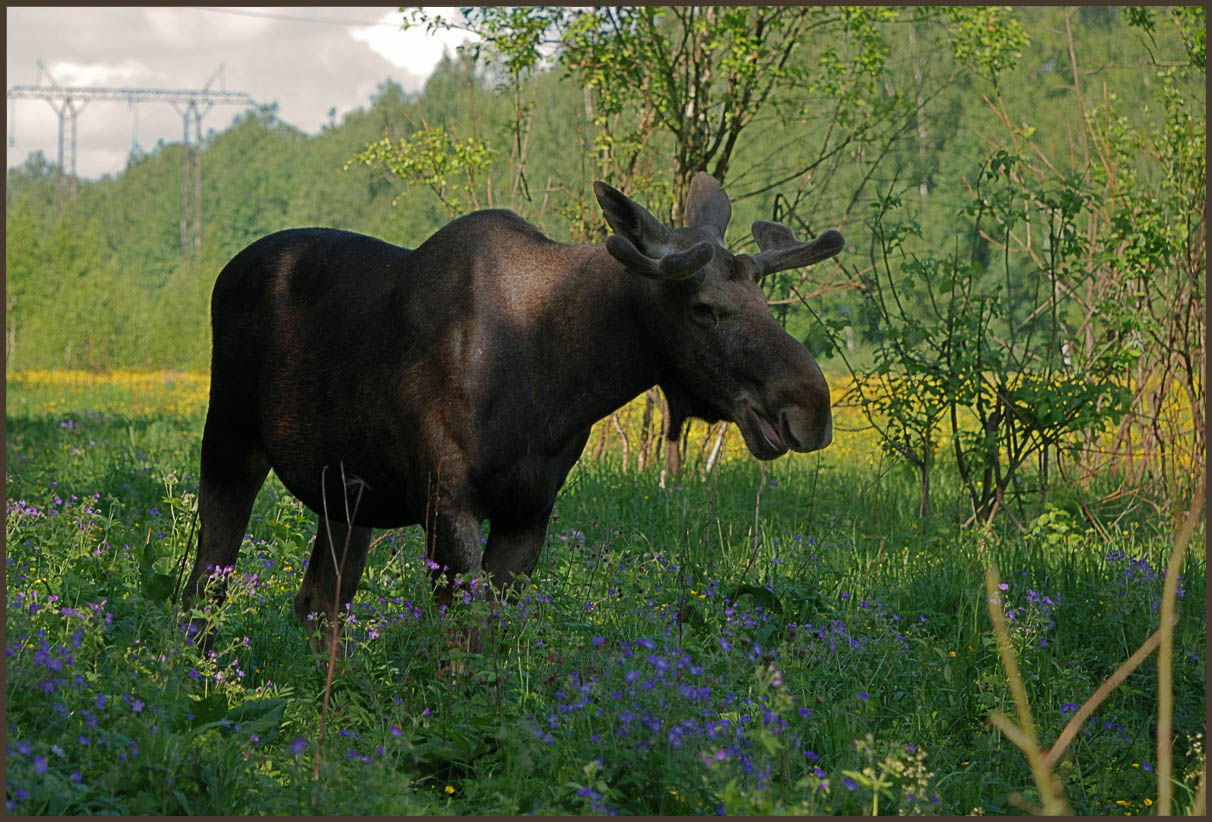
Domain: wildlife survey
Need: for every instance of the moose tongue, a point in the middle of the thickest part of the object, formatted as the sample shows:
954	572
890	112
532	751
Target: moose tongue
769	434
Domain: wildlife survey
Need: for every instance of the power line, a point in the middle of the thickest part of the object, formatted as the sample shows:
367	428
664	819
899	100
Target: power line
130	95
293	19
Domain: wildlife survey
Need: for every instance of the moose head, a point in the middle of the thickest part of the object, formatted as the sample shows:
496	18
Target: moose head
723	355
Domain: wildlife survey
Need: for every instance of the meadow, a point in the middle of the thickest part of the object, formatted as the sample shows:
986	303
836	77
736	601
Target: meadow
783	638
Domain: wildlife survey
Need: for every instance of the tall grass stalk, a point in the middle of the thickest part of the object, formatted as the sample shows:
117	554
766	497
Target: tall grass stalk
334	627
1165	653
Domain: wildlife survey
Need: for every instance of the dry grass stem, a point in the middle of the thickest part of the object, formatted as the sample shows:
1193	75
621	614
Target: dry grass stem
1112	682
334	627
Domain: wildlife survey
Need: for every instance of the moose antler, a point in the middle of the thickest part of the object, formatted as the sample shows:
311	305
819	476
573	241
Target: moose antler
781	250
707	206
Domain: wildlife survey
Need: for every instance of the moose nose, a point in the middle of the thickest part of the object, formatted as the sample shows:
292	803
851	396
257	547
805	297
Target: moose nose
804	433
826	436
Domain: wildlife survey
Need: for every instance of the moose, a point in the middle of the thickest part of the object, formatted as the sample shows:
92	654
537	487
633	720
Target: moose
457	382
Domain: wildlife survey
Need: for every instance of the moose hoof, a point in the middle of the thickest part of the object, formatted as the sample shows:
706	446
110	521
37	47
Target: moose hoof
321	641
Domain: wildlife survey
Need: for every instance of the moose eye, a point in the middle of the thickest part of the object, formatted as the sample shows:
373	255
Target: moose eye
705	313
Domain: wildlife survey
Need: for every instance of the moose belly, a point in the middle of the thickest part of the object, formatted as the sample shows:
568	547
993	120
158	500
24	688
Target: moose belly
371	497
338	470
384	475
524	487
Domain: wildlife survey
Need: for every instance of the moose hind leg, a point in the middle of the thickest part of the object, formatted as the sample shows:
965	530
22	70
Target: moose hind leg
232	473
339	553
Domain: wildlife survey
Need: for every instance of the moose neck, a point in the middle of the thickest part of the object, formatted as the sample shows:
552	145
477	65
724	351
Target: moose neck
596	320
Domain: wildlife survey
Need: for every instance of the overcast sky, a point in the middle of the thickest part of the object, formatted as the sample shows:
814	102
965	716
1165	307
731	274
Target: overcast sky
308	60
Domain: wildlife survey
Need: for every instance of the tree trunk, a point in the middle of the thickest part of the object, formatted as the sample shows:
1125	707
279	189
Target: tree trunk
721	429
646	432
618	426
601	445
673	460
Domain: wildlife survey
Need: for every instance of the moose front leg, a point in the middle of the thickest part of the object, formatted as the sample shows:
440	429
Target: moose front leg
513	551
452	546
339	554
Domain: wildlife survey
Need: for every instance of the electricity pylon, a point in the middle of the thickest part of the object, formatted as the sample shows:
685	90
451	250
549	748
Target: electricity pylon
191	104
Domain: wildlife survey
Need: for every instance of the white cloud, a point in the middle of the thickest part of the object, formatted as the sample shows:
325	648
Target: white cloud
94	74
414	49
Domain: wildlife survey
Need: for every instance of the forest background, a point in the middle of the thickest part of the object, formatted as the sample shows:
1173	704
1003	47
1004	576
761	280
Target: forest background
869	104
1022	192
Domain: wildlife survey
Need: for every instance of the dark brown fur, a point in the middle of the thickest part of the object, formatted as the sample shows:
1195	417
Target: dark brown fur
457	383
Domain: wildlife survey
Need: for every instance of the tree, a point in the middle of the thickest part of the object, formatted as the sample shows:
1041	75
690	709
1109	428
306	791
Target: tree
698	76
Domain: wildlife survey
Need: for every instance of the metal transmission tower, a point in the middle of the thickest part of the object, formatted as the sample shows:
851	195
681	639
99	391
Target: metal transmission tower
69	101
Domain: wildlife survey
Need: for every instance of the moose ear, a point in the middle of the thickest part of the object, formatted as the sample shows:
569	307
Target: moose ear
707	206
644	245
633	222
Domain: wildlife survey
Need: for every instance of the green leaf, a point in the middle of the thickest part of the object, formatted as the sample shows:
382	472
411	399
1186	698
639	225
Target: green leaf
208	710
772	743
260	717
764	597
160	587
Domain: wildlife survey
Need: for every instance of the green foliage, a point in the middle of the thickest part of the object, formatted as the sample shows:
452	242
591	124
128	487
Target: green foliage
989	38
954	355
515	34
1191	22
1023	333
61	299
432	157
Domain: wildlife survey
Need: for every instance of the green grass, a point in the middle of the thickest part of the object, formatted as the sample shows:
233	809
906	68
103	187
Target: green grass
666	660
